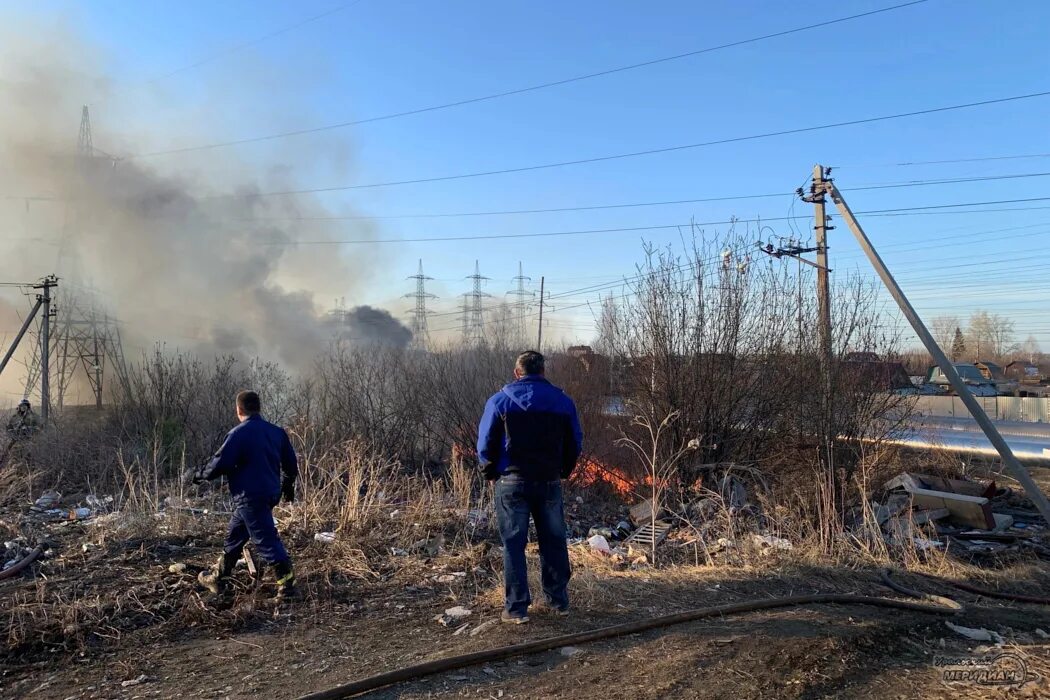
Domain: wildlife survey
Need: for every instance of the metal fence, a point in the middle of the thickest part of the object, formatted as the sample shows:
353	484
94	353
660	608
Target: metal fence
1028	409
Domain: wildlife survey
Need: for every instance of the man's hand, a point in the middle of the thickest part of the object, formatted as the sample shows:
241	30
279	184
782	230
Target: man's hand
288	491
190	476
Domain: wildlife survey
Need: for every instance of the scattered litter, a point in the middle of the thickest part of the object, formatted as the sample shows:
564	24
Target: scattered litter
80	513
135	681
922	544
454	615
599	544
177	568
570	651
398	552
482	627
326	537
462	628
977	634
1042	633
769	543
477	518
607	532
48	500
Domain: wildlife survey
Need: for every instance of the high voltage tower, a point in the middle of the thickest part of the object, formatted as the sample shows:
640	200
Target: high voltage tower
420	331
473	310
520	305
84	338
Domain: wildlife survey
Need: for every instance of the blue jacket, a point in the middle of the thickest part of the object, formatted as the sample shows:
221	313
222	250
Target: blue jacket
253	458
530	428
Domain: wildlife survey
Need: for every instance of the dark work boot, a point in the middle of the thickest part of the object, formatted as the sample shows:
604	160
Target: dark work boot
218	579
285	581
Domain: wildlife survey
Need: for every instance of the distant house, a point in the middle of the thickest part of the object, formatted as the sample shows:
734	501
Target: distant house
1023	372
875	375
971	376
990	370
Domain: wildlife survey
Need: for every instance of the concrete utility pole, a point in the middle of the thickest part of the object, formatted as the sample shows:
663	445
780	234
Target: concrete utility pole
21	332
45	286
1007	455
539	335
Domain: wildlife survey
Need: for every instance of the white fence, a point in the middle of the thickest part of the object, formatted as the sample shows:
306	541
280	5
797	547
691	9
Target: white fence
1028	409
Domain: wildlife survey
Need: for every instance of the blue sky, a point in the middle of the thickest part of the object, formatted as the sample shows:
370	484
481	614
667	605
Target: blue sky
378	57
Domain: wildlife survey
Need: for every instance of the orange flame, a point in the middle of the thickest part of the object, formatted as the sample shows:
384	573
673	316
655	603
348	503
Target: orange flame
591	471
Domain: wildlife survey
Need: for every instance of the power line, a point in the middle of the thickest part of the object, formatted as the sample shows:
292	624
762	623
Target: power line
546	234
648	152
247	44
519	91
984	159
594	207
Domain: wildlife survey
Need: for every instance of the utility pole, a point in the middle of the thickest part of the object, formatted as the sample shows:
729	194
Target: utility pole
960	387
45	286
539	336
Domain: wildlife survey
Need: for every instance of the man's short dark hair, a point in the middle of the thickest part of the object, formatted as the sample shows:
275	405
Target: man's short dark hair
530	362
248	402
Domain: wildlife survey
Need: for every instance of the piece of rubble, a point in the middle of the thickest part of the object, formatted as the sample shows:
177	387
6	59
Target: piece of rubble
977	634
461	629
135	681
177	568
459	612
482	627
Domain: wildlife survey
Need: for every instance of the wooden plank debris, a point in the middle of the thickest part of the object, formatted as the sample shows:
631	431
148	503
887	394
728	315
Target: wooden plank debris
646	536
973	511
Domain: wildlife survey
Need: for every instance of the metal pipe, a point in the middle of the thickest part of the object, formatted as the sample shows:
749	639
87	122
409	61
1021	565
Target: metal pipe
968	443
1009	460
18	338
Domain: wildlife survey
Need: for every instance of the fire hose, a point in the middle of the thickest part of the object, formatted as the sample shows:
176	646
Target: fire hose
937	605
24	561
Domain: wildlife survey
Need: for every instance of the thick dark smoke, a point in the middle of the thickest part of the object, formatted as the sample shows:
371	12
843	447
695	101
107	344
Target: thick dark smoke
194	261
366	324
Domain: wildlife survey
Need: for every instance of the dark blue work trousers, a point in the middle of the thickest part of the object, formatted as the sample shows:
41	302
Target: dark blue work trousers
517	500
253	520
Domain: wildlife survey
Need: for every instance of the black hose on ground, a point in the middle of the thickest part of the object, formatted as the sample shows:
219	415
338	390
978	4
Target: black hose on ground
1016	597
489	655
24	562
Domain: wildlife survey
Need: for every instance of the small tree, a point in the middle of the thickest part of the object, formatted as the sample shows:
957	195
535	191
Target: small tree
958	345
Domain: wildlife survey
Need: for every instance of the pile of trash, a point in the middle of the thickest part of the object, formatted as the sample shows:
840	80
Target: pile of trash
967	518
49	507
718	514
13	552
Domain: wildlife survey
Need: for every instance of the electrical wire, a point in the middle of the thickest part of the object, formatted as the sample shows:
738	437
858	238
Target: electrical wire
519	91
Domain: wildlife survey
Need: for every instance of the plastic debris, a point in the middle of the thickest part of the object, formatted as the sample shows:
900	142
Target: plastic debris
599	544
326	537
48	500
177	568
770	543
135	681
977	634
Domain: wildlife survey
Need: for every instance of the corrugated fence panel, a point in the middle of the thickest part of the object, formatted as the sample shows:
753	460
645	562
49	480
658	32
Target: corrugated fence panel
1029	409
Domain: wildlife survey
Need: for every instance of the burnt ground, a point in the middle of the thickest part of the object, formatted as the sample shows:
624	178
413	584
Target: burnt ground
346	628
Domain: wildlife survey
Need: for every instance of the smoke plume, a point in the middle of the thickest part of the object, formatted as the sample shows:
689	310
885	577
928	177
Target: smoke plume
192	260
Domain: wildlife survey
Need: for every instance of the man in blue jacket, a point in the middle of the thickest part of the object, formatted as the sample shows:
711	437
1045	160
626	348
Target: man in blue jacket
260	466
529	439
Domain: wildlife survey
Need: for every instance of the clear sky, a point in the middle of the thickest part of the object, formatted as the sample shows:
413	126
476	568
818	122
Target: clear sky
377	57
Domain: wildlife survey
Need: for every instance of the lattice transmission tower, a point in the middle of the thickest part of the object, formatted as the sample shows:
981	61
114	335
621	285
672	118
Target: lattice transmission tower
420	329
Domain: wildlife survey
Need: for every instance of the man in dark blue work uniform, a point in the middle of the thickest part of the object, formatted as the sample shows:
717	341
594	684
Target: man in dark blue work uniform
529	439
259	463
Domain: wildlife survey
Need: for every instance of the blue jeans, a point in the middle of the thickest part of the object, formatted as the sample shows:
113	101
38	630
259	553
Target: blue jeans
517	500
253	520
